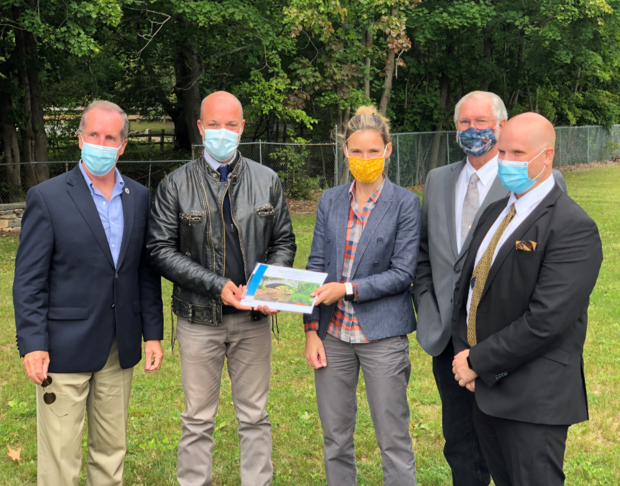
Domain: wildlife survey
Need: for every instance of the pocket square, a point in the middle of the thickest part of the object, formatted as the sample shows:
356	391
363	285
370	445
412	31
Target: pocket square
526	245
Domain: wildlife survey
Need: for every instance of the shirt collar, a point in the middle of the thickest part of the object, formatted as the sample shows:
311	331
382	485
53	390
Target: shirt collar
486	173
375	194
529	200
215	164
118	180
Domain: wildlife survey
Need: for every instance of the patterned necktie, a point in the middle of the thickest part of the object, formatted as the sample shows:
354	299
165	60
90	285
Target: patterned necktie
470	206
481	272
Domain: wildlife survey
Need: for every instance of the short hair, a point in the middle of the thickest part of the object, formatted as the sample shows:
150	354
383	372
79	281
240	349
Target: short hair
368	118
499	108
108	106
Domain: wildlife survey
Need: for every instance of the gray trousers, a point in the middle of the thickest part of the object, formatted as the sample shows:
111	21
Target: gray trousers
386	367
247	347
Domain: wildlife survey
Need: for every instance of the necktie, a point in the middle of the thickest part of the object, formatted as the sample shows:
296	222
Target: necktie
224	170
481	272
470	206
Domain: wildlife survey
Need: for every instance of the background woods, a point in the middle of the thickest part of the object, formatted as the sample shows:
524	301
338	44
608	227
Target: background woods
299	66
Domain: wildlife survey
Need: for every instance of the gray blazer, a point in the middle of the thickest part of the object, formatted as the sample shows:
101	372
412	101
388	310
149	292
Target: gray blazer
439	264
385	259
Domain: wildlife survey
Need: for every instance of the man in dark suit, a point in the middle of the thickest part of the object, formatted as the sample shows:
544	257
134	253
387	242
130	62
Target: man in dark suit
520	313
454	198
84	299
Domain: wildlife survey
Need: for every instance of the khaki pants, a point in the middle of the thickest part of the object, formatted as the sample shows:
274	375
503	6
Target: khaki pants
105	395
247	347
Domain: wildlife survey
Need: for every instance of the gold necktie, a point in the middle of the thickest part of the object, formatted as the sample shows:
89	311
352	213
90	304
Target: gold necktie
481	272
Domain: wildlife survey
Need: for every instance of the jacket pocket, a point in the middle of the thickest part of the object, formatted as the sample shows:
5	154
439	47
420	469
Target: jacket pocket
191	218
266	211
137	308
67	313
558	355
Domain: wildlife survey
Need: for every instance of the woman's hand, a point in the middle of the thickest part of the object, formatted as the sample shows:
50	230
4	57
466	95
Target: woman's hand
315	352
329	293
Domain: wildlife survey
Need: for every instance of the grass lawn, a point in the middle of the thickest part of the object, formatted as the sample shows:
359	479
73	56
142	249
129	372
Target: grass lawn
593	454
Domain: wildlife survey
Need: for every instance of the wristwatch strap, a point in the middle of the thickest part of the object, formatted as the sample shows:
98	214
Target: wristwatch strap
349	294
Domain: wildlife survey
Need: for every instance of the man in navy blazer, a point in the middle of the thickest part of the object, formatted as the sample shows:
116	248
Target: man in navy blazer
84	299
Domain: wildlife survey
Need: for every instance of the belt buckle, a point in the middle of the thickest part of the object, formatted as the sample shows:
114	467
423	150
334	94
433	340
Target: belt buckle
190	317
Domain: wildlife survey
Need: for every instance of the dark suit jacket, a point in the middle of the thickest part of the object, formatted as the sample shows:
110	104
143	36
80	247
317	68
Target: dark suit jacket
532	317
384	263
69	299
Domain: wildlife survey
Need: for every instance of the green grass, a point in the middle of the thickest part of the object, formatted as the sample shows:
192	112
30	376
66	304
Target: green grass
593	453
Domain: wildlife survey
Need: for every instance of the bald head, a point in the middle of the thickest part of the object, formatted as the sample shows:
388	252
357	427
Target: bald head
529	137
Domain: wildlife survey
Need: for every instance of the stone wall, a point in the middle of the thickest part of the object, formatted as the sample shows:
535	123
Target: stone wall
11	218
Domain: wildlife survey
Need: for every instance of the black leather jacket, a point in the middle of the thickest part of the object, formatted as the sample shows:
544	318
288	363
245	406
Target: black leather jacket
186	240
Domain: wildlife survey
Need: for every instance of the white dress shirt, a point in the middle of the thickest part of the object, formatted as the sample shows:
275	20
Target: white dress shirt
486	177
524	206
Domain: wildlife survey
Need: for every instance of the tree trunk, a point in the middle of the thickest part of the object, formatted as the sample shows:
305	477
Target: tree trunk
389	75
367	63
437	149
26	131
488	54
35	148
11	150
188	72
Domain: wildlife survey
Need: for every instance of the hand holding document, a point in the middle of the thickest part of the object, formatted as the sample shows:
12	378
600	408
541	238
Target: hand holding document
281	288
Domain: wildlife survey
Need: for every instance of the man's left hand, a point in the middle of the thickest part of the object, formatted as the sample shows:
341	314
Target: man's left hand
153	356
462	372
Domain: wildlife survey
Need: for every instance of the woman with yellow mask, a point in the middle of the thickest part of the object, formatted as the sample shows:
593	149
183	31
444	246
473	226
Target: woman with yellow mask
366	238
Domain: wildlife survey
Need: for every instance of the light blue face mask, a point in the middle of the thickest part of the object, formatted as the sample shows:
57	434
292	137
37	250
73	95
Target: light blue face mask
514	177
99	160
221	144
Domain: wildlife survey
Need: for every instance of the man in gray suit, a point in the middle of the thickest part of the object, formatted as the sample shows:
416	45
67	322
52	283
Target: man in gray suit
454	198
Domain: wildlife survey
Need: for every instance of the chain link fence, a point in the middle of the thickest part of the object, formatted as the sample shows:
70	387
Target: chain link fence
414	155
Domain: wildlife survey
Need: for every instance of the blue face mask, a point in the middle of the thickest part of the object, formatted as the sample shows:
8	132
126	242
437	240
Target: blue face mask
476	142
221	144
514	175
99	160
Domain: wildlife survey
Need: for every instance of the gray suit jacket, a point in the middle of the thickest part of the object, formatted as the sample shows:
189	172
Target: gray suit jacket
439	263
384	264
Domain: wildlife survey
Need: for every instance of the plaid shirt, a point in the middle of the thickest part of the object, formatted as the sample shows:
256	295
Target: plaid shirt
344	325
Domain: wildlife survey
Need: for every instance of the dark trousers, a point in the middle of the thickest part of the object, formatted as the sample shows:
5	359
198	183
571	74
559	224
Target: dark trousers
462	449
521	453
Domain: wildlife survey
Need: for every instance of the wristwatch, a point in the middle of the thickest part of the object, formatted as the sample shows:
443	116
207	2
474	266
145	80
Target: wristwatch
349	294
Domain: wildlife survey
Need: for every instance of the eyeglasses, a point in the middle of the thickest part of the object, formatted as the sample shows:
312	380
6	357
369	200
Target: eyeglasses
48	397
465	123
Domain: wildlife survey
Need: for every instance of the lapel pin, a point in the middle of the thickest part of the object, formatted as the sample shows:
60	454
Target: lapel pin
126	190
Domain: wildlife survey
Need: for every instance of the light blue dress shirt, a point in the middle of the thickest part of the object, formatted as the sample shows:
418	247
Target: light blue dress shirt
216	164
110	212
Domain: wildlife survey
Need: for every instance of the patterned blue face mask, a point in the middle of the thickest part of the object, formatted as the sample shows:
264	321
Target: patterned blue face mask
475	142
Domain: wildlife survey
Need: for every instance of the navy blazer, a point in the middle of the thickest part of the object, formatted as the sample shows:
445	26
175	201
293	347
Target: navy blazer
384	264
69	298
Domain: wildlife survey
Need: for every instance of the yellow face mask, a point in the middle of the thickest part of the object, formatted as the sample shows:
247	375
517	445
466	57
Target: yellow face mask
366	170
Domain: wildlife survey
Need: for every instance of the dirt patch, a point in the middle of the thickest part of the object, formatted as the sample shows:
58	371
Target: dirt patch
301	207
591	165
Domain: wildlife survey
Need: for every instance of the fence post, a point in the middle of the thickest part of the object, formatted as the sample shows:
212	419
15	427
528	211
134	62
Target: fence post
448	147
335	155
560	146
398	160
161	139
66	167
260	151
148	133
588	145
149	184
